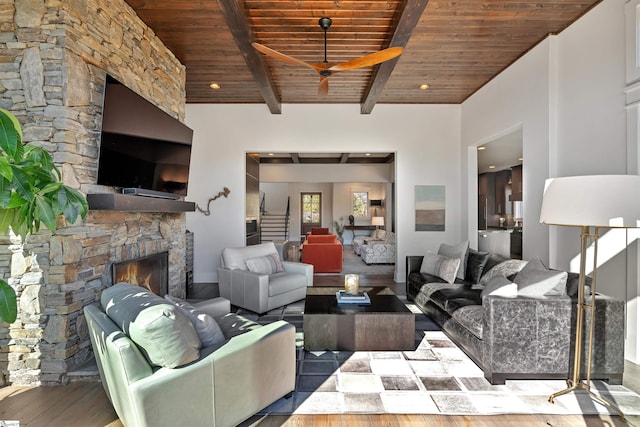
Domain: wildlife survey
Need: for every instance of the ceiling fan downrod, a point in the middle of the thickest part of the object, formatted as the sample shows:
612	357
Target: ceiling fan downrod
325	24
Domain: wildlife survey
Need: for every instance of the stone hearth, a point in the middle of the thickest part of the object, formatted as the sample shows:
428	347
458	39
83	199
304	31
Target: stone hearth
55	58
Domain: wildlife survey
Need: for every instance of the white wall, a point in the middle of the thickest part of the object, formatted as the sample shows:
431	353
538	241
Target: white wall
222	136
516	98
276	194
567	94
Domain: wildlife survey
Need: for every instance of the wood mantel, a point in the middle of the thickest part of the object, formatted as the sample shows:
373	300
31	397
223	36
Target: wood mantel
127	202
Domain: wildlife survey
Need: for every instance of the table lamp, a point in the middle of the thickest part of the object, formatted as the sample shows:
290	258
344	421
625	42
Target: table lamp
378	221
593	203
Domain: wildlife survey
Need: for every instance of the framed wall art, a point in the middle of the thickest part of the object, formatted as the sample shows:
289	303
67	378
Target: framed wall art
430	207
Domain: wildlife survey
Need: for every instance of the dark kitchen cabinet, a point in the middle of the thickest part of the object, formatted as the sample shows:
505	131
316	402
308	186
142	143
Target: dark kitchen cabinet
486	198
516	183
503	192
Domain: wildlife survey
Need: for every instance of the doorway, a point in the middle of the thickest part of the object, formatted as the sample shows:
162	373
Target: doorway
500	195
310	211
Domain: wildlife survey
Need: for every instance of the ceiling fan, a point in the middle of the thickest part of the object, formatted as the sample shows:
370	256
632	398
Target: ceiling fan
326	69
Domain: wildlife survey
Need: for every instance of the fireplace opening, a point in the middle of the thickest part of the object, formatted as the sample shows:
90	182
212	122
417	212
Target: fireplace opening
151	272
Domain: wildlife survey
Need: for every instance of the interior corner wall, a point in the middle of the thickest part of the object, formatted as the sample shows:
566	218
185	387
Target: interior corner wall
567	93
519	96
425	138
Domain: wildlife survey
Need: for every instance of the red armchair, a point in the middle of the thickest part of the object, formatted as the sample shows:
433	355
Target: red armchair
324	252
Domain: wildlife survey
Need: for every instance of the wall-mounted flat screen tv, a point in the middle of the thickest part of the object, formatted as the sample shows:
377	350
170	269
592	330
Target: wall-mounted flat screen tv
141	146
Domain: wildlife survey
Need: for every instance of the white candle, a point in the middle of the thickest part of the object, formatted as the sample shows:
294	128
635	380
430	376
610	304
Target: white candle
351	283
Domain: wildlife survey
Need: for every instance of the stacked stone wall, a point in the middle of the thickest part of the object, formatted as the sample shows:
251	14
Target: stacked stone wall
54	56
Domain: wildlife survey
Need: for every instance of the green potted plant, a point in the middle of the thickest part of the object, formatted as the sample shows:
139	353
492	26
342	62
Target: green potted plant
31	193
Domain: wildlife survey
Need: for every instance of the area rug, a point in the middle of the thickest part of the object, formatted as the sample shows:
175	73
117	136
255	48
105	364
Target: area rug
436	378
352	263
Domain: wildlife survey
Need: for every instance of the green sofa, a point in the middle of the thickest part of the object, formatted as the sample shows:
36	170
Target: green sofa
155	372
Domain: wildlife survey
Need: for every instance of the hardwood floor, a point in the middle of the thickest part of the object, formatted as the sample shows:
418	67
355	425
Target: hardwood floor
86	405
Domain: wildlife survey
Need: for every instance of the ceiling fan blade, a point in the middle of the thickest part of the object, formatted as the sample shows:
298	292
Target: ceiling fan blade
368	60
323	88
281	56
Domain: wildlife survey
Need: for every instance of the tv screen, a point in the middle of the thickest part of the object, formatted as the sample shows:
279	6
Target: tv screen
141	146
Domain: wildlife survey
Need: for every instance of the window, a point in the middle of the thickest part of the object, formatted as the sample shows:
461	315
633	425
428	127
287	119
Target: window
310	211
360	203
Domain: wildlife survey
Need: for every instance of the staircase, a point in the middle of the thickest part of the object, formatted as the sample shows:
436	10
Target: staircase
274	227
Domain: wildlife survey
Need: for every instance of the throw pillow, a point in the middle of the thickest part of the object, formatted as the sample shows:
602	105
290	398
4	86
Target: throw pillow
535	280
267	264
458	251
476	262
440	266
164	334
505	269
206	327
500	285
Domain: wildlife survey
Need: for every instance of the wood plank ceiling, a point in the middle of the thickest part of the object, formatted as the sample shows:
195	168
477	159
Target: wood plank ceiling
453	46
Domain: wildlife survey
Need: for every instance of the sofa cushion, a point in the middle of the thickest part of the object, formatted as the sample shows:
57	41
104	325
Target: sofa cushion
206	327
319	230
233	325
458	251
476	262
235	258
494	259
266	264
321	238
441	266
500	285
471	317
161	330
453	304
573	281
505	269
535	280
280	283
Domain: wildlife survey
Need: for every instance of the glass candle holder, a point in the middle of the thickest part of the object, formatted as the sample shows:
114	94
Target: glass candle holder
351	283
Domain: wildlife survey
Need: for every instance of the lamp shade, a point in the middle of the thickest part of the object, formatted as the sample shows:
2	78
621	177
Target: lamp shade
593	200
377	220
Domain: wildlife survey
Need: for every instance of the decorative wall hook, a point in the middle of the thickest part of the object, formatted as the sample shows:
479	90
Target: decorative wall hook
225	192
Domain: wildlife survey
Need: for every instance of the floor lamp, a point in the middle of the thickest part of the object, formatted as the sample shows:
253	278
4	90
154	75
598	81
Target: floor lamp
593	203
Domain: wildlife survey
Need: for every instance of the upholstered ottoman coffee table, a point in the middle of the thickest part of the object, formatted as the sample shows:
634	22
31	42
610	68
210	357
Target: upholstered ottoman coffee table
385	324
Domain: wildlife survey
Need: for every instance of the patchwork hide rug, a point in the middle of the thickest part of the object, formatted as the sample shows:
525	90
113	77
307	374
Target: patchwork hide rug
436	378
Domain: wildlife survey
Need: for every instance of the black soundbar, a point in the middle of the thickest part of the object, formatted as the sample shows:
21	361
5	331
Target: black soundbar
149	193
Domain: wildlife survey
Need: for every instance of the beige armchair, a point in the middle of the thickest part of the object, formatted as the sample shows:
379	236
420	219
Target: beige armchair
251	278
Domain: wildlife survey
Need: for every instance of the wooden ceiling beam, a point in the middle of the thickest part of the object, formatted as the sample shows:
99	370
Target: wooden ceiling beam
409	18
238	26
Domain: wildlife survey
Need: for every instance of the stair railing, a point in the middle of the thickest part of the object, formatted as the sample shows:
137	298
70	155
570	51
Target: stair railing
286	220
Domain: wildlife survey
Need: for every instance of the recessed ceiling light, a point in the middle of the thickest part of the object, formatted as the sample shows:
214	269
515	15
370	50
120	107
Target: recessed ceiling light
521	158
367	154
214	85
492	167
424	86
482	148
271	154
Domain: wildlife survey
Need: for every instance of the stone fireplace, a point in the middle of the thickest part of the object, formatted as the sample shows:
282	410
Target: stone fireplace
55	58
150	272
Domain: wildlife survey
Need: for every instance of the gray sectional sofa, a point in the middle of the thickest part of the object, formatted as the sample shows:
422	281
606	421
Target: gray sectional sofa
516	337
